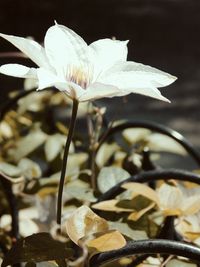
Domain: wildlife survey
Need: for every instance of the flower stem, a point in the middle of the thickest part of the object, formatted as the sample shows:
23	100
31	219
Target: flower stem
65	157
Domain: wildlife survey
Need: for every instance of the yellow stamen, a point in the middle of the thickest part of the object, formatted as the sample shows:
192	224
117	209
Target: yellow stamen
79	75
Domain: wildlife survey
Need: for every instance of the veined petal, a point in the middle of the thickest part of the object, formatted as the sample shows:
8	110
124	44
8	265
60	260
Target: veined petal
147	73
99	90
47	79
18	70
150	91
105	53
131	82
30	48
64	48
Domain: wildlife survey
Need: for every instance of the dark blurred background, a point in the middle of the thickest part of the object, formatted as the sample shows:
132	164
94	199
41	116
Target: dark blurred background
162	33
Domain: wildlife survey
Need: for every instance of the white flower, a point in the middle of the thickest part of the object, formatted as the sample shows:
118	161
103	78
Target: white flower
85	72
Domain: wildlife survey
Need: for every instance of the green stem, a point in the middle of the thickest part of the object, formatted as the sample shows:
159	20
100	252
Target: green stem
65	157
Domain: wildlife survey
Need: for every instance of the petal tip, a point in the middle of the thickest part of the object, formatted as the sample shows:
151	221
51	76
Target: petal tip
165	99
168	101
171	79
174	78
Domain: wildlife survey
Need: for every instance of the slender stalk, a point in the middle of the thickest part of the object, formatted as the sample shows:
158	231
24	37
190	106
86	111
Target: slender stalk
65	158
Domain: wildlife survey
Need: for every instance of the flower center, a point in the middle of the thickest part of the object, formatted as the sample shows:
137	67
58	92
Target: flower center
80	76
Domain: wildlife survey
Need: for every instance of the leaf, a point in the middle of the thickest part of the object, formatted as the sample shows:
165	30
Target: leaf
152	262
9	169
74	162
80	193
175	263
128	231
84	222
33	102
110	240
141	189
29	168
37	247
28	144
110	205
105	152
160	142
134	216
5	130
109	177
53	146
154	141
135	135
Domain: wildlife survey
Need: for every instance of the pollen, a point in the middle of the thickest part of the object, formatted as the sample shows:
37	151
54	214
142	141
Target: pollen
80	76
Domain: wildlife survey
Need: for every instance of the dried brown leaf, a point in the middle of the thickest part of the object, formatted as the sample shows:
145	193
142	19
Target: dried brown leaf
134	216
110	205
84	222
141	189
107	241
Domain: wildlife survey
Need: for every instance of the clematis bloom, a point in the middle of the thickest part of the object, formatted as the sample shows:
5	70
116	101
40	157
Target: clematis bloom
85	72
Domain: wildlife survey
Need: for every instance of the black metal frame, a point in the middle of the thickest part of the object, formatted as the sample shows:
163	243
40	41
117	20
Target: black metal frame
146	247
153	126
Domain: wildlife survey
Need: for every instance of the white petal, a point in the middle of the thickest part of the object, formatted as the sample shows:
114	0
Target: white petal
156	77
99	90
17	70
47	79
134	82
30	48
64	47
105	53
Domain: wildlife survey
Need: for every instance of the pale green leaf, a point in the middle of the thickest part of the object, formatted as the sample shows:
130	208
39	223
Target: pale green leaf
109	177
160	142
74	162
79	190
105	152
128	231
178	263
134	135
53	146
29	168
10	169
28	144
